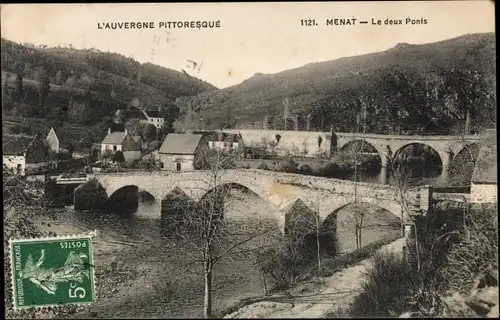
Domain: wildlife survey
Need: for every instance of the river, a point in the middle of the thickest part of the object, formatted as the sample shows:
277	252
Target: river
154	275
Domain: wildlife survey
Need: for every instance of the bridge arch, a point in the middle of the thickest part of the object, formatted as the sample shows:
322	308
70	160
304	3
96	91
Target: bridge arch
364	148
127	198
361	144
225	189
340	223
417	156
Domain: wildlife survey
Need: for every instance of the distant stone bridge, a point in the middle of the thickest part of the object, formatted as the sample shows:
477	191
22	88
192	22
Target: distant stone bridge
281	190
447	147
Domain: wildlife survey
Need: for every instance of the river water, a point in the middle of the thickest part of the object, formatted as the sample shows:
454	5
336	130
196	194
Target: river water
159	279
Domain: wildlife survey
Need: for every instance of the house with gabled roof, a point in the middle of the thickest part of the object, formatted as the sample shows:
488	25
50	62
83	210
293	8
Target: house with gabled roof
122	141
178	151
53	140
24	154
144	116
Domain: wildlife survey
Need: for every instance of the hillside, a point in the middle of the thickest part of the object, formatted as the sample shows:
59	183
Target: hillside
57	83
419	89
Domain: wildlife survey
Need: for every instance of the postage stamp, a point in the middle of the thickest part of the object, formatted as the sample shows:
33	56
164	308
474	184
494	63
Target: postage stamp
54	271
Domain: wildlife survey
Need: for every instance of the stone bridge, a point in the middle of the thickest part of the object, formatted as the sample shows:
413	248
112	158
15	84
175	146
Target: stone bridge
280	190
447	147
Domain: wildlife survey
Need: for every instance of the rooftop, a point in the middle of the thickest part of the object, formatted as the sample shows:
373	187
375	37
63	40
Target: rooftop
114	138
153	113
180	143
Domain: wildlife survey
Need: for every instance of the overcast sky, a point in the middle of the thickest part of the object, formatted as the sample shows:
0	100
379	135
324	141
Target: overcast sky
254	37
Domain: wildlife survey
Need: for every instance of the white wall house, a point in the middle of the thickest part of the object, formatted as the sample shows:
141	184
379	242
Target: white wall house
53	140
144	116
178	152
25	154
121	141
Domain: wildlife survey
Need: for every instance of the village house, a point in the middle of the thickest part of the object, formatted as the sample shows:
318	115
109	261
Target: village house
484	183
53	140
144	116
55	143
178	151
25	155
221	141
121	141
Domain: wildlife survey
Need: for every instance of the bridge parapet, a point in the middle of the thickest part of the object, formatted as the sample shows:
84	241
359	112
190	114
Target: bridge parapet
280	189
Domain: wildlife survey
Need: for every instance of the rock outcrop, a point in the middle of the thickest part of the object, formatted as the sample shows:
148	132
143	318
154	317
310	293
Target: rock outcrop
482	301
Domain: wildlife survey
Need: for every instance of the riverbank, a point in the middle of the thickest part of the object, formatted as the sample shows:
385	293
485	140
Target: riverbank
315	298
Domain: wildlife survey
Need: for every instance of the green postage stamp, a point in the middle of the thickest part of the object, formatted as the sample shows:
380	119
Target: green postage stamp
54	271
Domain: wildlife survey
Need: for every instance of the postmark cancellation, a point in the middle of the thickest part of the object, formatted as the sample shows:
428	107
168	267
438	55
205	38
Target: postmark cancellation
52	271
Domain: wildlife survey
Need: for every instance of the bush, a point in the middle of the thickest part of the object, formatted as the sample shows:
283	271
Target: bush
282	266
388	284
263	166
474	252
454	247
289	167
307	170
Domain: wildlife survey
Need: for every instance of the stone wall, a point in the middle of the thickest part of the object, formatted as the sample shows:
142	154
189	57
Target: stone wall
293	143
483	193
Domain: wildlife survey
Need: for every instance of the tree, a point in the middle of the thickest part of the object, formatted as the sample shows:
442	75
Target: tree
278	138
77	111
24	201
403	175
43	86
286	111
149	132
19	87
118	157
204	227
172	112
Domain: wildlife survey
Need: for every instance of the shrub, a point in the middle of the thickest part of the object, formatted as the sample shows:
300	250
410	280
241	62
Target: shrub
307	170
118	157
282	266
388	284
455	246
263	166
289	167
474	252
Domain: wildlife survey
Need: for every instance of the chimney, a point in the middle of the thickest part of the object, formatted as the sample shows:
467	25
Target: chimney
109	130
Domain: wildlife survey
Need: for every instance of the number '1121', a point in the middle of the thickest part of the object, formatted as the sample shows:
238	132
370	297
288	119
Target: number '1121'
308	22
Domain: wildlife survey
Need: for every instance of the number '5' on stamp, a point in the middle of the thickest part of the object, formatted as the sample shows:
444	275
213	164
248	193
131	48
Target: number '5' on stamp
54	271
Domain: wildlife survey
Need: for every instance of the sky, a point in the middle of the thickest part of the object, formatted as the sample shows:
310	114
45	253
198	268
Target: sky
252	38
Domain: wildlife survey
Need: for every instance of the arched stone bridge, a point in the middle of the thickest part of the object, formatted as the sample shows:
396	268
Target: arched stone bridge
447	147
281	190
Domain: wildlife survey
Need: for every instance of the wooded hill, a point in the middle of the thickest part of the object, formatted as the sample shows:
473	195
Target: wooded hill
83	86
407	89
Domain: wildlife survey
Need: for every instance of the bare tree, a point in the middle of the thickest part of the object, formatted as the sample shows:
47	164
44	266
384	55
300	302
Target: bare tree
403	175
204	227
